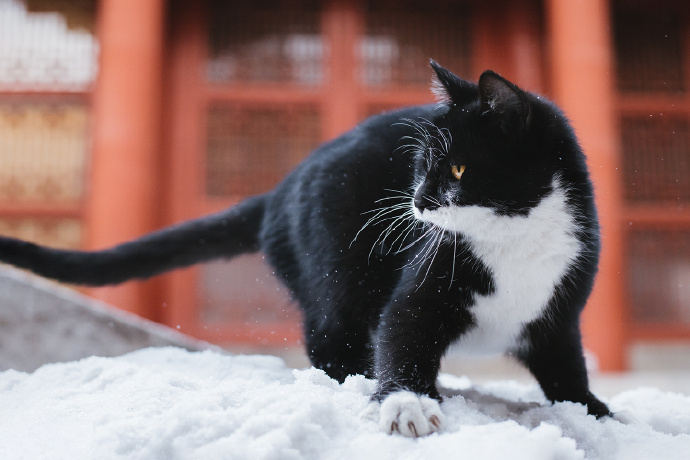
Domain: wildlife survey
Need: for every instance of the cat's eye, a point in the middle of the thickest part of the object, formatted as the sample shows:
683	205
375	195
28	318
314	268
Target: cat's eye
457	171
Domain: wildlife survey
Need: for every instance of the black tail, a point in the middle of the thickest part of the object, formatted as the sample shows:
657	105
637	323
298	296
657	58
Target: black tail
223	235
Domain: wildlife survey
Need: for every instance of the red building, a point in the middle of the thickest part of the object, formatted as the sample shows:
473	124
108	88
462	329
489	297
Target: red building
121	116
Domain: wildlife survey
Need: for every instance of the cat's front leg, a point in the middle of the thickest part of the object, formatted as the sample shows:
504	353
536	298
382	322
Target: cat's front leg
413	334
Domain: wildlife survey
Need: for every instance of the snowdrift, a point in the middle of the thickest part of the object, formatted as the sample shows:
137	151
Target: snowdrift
168	403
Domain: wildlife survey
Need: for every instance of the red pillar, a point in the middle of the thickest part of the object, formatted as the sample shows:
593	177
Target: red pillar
126	123
582	82
342	27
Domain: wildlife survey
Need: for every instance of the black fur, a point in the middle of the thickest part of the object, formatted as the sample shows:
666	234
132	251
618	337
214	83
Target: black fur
382	295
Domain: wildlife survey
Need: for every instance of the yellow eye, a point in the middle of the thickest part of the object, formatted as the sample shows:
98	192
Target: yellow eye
457	171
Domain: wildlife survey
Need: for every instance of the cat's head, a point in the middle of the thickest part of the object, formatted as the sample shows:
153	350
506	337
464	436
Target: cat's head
493	146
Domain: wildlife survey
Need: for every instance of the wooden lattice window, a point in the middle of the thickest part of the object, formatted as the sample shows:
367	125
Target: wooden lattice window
265	41
251	149
48	63
47	45
272	86
657	159
652	58
649	51
401	36
660	275
261	58
43	145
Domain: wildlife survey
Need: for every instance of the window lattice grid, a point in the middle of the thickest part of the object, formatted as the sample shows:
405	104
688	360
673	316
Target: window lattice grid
43	149
659	276
656	159
649	52
400	37
63	233
266	41
47	45
250	149
244	290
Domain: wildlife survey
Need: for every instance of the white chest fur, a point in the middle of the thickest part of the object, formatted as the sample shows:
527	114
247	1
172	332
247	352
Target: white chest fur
527	256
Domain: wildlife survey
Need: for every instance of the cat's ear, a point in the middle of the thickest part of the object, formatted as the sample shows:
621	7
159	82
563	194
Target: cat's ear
504	98
449	88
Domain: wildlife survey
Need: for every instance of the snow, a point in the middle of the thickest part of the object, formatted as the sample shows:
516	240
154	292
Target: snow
168	403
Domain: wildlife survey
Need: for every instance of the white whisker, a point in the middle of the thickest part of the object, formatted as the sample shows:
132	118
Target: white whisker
455	250
435	247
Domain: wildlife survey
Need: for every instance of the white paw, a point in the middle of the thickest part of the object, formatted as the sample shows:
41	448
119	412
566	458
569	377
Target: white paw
408	414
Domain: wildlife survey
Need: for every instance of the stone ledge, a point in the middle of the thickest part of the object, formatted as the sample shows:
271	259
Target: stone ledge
42	322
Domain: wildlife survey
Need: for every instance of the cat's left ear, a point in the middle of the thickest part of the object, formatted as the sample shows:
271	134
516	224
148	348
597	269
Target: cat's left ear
448	87
504	98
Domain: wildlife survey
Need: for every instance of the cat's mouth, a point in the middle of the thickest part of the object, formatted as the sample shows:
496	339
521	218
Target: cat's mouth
419	214
455	219
431	209
440	216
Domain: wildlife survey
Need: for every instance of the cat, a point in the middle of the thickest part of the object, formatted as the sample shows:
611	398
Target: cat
470	222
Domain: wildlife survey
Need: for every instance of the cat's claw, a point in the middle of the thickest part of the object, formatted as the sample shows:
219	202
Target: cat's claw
410	414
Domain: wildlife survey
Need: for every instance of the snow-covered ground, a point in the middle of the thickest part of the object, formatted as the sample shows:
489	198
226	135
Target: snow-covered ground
167	403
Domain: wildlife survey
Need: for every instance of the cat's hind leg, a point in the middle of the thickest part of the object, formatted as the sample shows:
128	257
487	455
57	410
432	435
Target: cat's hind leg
554	356
340	310
338	346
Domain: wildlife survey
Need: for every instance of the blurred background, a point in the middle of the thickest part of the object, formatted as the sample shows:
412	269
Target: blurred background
118	117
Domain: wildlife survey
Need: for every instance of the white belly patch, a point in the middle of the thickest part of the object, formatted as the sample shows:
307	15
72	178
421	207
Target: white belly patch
527	256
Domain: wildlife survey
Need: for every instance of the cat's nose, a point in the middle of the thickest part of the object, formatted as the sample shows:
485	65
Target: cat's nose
422	202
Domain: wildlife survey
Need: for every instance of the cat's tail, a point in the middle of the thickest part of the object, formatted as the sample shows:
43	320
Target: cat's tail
223	235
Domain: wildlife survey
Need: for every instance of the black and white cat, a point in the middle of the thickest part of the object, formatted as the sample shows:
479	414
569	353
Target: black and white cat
470	222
